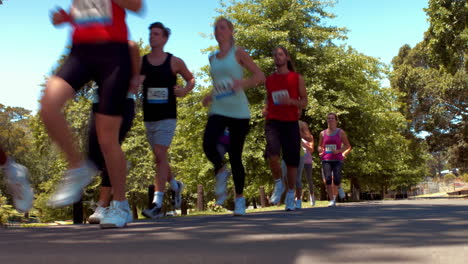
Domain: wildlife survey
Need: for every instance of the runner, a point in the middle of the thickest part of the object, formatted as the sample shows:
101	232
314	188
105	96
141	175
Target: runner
159	71
305	162
229	109
94	151
17	183
286	96
333	142
99	52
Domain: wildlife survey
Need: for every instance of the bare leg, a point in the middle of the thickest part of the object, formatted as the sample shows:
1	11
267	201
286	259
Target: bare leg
162	167
56	94
108	135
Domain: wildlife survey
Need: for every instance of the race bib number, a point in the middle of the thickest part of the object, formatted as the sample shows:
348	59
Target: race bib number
330	148
158	95
223	88
87	12
278	95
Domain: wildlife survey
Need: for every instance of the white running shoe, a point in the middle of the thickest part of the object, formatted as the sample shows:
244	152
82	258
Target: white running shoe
277	192
298	204
341	193
118	215
239	206
178	195
312	200
71	187
154	212
220	187
17	182
98	215
289	201
332	203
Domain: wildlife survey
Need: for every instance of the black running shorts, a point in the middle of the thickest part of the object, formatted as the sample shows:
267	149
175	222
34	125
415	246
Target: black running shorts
109	65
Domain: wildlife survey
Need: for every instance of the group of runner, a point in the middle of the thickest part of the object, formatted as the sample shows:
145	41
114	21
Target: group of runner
101	52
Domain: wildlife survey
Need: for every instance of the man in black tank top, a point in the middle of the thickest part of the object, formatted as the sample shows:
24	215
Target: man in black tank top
159	73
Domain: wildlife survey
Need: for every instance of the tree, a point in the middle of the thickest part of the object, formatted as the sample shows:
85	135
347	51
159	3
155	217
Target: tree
432	77
338	79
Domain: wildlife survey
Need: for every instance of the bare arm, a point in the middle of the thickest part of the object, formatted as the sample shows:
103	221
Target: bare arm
345	146
133	5
319	147
136	66
301	102
180	68
247	62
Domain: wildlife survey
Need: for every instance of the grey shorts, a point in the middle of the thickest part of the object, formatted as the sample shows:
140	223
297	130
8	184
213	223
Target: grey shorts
161	132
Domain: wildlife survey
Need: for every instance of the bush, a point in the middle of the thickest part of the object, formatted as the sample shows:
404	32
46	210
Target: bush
213	207
5	210
465	177
450	177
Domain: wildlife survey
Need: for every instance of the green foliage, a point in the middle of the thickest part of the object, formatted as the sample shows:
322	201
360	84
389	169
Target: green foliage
5	210
447	37
386	155
464	177
450	177
433	80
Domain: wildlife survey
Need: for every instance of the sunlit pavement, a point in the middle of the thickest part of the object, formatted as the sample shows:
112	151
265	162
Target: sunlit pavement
405	231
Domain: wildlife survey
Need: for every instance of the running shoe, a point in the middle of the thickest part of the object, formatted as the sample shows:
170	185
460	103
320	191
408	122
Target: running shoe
154	212
17	182
298	204
289	201
117	216
177	202
341	193
332	203
277	192
239	206
220	187
71	187
98	215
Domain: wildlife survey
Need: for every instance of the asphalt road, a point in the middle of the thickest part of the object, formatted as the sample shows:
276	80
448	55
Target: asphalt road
406	231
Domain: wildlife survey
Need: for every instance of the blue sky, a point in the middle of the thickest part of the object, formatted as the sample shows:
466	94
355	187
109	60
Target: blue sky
30	46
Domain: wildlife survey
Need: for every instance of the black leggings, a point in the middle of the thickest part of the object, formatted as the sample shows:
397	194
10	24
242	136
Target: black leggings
238	129
94	150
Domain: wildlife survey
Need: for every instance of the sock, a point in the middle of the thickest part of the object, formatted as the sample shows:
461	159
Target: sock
158	198
174	185
277	181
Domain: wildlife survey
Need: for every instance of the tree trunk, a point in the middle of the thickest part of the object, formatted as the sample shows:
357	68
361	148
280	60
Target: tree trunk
355	189
263	199
200	197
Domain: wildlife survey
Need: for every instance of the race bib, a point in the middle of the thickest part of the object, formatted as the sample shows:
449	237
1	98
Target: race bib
87	12
330	148
278	95
158	95
223	88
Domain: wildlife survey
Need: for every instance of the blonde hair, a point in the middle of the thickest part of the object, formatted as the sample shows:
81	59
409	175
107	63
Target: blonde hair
229	24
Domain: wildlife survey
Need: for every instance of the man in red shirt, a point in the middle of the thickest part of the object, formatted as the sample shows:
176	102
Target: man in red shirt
100	53
286	97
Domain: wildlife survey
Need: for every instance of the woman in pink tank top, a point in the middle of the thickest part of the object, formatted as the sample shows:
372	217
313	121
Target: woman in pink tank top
333	142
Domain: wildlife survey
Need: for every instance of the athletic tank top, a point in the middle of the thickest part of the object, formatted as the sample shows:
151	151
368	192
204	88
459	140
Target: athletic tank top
226	102
98	21
159	101
329	143
282	85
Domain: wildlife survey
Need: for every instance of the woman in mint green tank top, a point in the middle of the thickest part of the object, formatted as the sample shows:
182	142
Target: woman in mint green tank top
229	108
